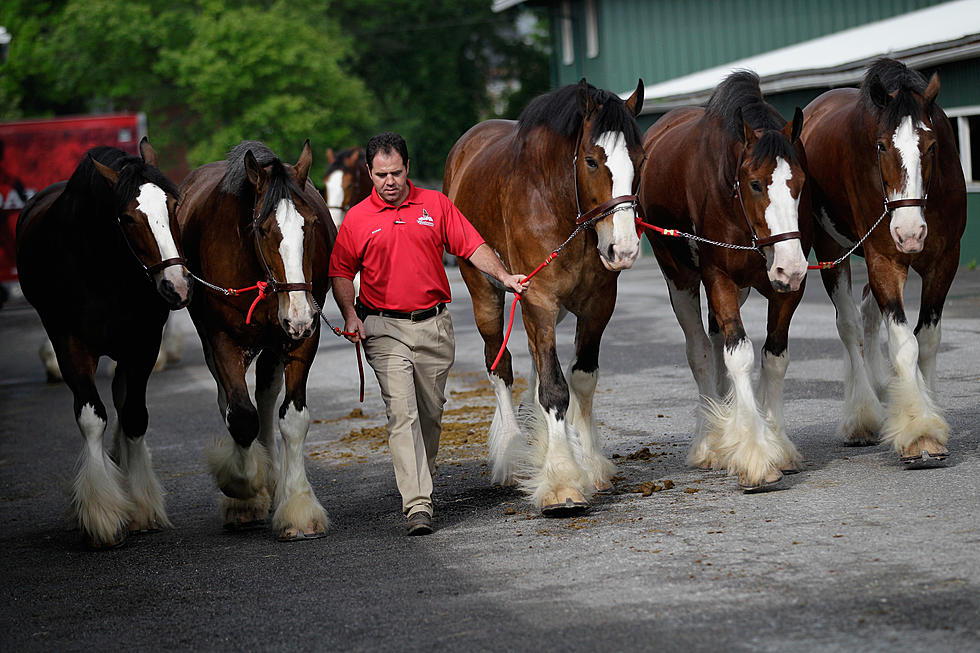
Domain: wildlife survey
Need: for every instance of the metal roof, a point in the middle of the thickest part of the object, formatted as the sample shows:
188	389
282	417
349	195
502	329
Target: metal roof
938	34
500	5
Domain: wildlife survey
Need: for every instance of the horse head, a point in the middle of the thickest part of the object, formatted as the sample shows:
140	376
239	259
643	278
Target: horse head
147	216
608	157
769	183
284	226
346	181
906	154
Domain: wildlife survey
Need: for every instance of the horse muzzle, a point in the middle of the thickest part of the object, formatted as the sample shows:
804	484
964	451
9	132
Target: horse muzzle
174	286
788	267
296	316
910	241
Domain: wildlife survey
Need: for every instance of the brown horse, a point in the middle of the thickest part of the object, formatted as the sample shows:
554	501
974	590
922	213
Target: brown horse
888	150
251	219
573	155
732	173
99	260
346	181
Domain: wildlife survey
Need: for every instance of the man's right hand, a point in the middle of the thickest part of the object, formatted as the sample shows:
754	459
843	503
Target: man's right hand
356	327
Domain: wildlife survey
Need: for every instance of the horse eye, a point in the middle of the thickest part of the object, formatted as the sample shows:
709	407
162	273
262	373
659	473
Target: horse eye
592	163
881	147
756	186
127	219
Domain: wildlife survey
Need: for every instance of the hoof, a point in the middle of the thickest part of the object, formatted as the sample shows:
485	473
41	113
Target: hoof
563	503
603	487
242	524
924	453
114	541
772	481
136	528
313	531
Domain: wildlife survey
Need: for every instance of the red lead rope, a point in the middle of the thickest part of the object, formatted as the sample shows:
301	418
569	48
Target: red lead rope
513	308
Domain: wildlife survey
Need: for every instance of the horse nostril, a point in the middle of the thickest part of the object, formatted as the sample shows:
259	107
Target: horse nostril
612	253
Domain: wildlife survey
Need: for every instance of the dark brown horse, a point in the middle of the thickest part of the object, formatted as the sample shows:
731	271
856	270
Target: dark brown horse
885	153
573	154
99	260
346	181
253	218
733	173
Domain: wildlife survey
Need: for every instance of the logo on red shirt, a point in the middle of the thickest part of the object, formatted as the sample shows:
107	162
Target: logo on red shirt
425	219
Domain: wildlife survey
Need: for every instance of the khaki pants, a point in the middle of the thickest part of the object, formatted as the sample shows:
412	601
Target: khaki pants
412	361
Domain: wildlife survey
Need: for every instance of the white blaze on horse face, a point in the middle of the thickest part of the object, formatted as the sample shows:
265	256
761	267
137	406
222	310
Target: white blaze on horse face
335	195
297	314
618	243
152	202
782	215
908	226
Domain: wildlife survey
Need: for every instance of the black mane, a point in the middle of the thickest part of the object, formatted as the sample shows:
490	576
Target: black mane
281	183
739	98
559	112
896	78
133	173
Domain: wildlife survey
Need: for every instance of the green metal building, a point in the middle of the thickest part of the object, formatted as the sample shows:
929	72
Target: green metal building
800	48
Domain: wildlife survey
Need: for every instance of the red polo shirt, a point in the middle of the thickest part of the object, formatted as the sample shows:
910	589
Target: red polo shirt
398	250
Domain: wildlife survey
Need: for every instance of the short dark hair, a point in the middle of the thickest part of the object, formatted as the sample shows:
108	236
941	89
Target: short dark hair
386	142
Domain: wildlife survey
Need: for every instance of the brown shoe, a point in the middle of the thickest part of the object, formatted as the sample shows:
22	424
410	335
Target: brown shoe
419	523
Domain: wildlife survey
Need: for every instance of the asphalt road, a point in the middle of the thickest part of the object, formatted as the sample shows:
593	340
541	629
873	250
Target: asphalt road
857	554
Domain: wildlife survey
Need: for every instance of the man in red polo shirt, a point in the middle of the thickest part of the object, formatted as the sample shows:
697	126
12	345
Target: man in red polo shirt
395	238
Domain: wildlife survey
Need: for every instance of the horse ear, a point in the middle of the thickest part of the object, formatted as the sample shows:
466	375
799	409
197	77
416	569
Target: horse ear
331	157
302	166
747	135
147	152
635	101
110	175
877	92
932	91
351	159
792	130
255	173
586	105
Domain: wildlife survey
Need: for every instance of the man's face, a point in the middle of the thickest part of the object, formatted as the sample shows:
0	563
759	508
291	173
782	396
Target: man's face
390	176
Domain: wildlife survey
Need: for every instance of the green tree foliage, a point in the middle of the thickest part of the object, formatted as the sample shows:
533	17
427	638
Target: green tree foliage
210	73
429	64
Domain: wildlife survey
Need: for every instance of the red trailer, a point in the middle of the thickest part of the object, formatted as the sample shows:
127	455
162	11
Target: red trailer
37	153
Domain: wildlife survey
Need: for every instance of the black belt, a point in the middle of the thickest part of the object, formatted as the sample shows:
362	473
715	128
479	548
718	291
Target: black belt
414	316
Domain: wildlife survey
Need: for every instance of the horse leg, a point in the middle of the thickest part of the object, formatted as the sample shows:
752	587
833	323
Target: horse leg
913	427
268	384
240	465
723	384
746	443
130	450
298	515
99	503
685	300
582	380
557	483
863	413
936	281
775	360
878	372
488	309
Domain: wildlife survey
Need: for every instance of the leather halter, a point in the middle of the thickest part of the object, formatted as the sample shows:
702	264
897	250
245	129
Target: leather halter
273	286
589	218
150	270
891	205
757	242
